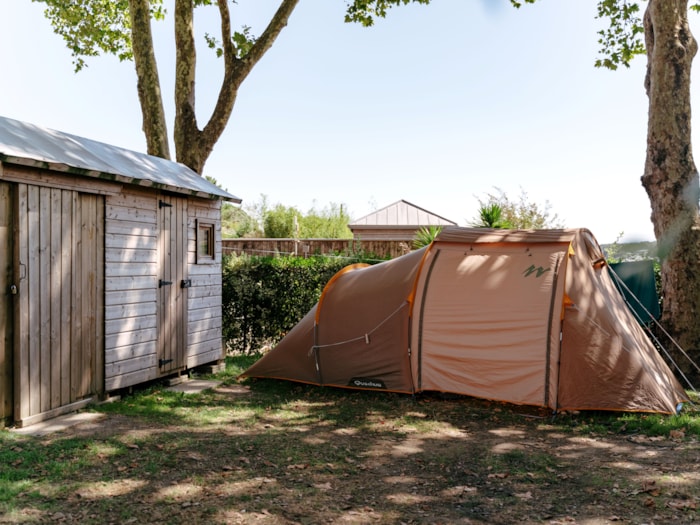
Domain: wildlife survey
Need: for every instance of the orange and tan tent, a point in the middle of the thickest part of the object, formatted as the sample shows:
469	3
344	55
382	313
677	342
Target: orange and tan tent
526	317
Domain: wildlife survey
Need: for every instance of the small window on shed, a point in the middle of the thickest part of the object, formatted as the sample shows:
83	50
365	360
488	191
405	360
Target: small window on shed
205	242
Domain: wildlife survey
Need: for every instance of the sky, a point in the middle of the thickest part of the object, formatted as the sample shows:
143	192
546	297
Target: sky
437	105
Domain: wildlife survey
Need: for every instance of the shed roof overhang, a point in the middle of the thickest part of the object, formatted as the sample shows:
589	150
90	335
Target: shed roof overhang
33	146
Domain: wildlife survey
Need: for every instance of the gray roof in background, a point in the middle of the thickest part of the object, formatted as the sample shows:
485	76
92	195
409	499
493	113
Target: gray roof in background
402	213
30	145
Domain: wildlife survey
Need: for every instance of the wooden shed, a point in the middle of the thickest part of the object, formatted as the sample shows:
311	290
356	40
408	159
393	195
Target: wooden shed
110	270
397	222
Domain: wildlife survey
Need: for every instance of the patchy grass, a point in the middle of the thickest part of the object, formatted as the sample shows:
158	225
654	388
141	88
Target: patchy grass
272	452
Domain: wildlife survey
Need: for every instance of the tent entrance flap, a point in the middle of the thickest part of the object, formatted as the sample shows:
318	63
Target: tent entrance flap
486	316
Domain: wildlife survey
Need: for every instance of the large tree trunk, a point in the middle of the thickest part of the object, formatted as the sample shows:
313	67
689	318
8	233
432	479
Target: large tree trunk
148	83
670	176
192	145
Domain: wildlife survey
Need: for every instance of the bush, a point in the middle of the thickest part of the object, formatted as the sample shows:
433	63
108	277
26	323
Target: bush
264	297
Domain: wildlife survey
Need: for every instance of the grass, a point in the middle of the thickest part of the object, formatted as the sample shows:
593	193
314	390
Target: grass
283	451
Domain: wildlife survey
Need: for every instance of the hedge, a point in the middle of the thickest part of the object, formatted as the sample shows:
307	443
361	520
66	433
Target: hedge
264	297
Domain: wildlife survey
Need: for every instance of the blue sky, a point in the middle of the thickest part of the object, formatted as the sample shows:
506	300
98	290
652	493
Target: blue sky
437	105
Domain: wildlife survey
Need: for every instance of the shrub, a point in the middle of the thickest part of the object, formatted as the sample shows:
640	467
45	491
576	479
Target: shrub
264	297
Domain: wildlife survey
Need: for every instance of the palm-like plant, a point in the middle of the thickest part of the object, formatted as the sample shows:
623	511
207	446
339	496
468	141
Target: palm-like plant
425	235
491	216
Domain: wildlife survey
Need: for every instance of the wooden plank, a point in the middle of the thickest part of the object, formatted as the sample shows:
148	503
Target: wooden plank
212	302
183	293
99	368
65	181
135	378
118	269
207	279
76	302
115	314
44	306
131	198
205	353
128	366
129	352
6	308
88	303
33	276
55	297
129	297
214	323
141	256
125	283
199	314
117	213
66	292
51	414
131	338
130	241
141	229
129	324
21	311
213	334
199	292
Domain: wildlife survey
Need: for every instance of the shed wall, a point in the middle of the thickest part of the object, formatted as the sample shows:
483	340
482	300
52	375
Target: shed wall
131	282
131	289
204	341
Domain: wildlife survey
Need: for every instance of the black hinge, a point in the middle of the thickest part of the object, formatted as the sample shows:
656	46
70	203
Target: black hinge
185	283
162	204
162	283
163	362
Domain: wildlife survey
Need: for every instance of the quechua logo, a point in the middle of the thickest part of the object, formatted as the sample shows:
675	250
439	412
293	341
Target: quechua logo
367	382
537	270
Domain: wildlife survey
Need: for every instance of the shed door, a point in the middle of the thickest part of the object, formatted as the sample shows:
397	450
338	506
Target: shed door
59	308
172	295
6	383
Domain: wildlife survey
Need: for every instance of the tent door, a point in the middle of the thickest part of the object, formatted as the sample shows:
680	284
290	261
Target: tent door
172	295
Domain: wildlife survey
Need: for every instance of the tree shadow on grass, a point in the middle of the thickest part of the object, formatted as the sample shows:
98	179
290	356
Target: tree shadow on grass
275	452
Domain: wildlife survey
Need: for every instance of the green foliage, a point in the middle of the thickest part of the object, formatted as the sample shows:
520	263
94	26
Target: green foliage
425	236
287	222
365	11
521	214
491	216
329	223
264	297
243	42
91	27
622	40
236	223
281	222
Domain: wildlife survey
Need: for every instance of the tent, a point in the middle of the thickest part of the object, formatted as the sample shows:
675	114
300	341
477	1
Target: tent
525	317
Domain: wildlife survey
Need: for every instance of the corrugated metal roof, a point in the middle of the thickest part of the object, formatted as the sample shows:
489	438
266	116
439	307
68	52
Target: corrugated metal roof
30	145
402	213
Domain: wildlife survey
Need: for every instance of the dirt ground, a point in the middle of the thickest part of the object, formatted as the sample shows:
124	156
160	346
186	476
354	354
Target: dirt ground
433	461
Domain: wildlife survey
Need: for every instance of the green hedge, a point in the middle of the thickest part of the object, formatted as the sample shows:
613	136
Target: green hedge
264	297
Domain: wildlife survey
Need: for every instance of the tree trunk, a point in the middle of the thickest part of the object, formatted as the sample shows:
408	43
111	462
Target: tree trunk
192	145
670	176
148	83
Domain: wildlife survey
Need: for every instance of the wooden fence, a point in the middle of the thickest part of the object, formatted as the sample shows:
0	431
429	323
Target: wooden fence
381	249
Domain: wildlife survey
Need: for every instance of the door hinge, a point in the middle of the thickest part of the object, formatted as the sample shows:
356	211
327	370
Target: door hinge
162	283
163	362
186	283
163	204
